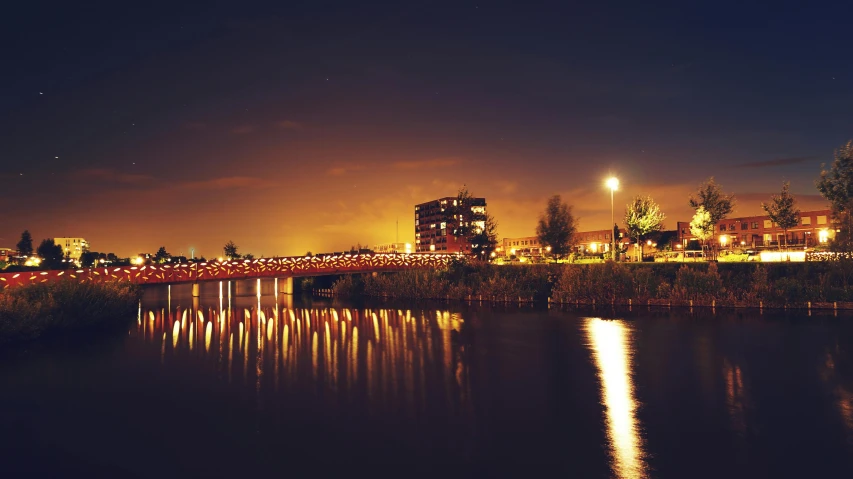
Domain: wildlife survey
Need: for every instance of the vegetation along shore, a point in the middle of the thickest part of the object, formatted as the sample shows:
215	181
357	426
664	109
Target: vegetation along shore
778	285
38	310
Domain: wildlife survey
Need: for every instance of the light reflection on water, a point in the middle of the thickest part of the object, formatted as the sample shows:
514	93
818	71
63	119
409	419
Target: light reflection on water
610	341
385	352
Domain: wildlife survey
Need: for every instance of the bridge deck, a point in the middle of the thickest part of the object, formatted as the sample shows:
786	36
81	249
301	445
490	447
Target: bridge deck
279	267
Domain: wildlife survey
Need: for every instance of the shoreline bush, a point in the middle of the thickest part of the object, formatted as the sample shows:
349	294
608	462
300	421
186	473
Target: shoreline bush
29	312
725	284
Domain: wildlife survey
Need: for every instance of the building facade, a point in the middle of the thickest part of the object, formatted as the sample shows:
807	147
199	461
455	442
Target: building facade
598	241
393	248
814	228
72	247
586	242
7	254
434	231
528	246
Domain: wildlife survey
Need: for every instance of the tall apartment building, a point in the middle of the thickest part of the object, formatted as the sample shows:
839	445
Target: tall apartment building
813	228
72	247
434	231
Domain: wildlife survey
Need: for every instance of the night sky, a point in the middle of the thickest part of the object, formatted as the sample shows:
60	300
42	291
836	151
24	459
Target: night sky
301	126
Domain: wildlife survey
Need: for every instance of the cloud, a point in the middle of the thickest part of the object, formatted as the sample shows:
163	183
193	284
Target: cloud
420	164
111	176
776	162
289	125
344	170
228	183
243	129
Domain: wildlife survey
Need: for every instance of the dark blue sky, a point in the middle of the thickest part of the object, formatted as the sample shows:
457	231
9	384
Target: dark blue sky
314	125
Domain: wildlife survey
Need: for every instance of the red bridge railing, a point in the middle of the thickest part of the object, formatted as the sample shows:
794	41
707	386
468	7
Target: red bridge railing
282	267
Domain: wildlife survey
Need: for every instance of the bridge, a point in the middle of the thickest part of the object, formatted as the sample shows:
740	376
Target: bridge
283	268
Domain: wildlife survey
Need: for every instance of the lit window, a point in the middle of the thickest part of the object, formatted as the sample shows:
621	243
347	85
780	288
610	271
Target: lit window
768	224
807	220
821	220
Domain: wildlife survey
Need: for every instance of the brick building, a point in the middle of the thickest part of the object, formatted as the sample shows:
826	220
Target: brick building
434	231
598	241
814	228
526	246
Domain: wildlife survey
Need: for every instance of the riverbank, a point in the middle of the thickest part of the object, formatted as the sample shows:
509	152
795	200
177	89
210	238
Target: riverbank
37	310
779	285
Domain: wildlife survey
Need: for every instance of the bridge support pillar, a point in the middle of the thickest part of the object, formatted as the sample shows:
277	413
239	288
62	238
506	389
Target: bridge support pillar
285	285
196	290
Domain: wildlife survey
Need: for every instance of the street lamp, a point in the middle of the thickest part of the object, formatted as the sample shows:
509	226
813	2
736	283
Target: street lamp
613	184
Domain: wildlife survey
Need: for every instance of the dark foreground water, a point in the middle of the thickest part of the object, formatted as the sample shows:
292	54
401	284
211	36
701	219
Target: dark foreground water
206	390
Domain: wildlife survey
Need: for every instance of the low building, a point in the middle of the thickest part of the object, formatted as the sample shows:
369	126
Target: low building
393	248
72	247
528	246
586	242
814	228
599	241
7	255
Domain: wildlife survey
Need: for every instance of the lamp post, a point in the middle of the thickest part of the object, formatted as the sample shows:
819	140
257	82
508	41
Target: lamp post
613	184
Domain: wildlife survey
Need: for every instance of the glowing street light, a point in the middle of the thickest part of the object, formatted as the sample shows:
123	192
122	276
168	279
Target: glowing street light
613	184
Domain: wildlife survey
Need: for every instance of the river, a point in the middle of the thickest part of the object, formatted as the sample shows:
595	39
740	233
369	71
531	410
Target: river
275	385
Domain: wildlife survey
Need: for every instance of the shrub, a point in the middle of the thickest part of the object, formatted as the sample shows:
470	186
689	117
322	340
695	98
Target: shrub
31	311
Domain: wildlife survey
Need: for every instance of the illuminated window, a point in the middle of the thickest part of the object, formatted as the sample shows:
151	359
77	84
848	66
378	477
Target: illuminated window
807	220
768	224
823	235
821	220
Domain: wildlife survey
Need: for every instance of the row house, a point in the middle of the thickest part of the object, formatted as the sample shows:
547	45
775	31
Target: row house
813	228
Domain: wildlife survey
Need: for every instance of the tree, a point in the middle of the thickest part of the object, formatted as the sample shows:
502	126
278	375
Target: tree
230	250
836	185
25	246
466	217
702	225
249	256
782	210
50	254
557	227
642	216
483	240
711	197
87	259
161	256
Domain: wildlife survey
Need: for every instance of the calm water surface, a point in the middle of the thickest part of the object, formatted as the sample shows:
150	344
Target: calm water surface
227	388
